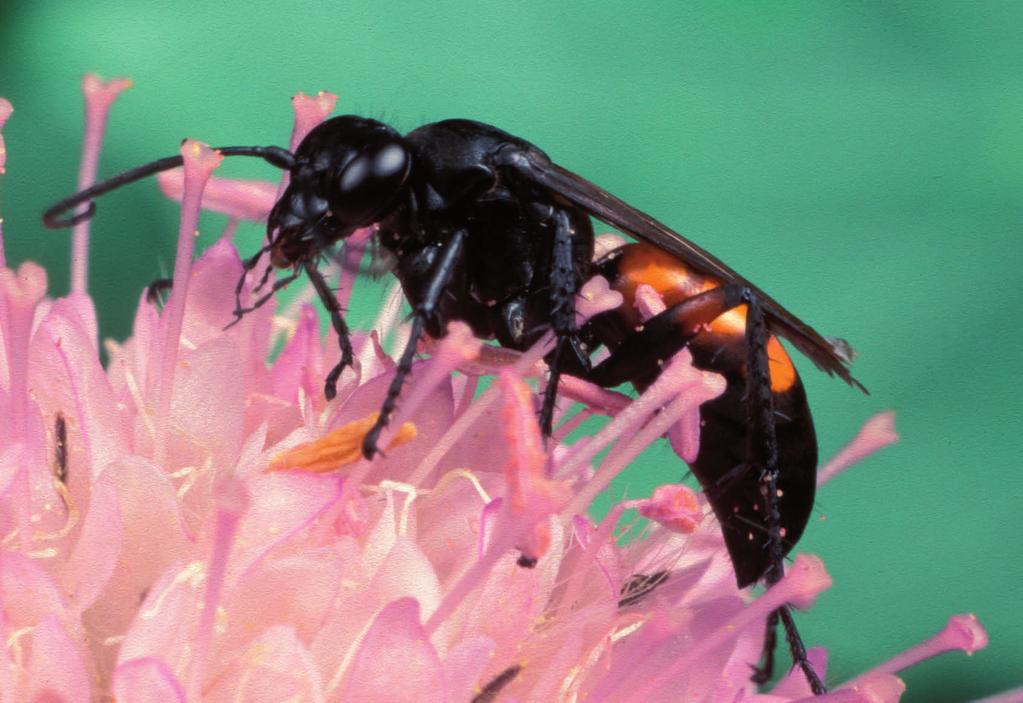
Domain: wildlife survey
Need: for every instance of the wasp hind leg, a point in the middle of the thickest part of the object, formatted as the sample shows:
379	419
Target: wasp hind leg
642	352
641	355
763	449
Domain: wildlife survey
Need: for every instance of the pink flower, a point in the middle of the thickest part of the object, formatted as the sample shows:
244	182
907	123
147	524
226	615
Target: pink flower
204	528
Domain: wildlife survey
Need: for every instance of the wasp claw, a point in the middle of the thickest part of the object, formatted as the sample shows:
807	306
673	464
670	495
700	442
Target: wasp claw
369	443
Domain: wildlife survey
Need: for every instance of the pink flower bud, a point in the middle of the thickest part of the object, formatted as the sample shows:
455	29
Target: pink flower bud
674	506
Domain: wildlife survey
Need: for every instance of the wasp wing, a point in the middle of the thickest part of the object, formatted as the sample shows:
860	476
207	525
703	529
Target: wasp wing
831	355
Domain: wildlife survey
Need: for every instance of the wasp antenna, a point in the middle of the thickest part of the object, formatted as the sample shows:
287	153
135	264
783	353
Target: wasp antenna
274	155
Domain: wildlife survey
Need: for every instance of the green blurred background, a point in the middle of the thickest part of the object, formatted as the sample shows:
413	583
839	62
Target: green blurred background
862	161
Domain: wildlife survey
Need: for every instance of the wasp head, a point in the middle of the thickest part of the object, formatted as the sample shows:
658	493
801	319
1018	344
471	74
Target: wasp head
349	173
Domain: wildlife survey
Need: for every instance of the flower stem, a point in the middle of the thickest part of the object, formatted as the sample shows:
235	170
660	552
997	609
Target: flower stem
200	161
99	96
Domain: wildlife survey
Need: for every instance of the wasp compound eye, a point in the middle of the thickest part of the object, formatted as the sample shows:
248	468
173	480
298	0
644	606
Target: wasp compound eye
370	183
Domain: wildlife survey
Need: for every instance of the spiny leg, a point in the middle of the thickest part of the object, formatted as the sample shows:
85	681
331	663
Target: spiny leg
563	287
798	650
337	319
240	312
425	310
765	672
247	266
762	449
263	279
161	285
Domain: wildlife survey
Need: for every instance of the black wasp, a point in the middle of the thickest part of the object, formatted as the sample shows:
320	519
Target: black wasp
486	229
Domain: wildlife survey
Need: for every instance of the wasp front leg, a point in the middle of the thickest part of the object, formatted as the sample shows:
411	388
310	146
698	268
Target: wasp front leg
338	321
425	310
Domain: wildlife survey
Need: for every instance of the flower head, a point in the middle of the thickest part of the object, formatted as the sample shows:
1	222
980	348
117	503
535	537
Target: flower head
194	522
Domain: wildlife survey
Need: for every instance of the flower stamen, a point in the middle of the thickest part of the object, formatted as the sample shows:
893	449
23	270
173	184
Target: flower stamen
338	448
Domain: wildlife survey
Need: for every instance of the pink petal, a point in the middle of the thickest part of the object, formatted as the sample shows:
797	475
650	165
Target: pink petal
146	680
210	303
231	501
236	197
532	497
395	661
877	688
876	433
406	572
598	399
650	654
133	361
99	96
675	506
480	447
251	457
282	504
680	385
55	670
794	684
310	110
300	364
962	632
596	547
16	499
804	580
274	667
698	564
448	519
66	377
165	623
209	309
464	665
27	592
5	112
296	590
199	162
735	675
605	243
206	433
80	307
684	436
95	555
153	538
371	357
596	297
21	293
392	567
9	676
505	604
648	302
559	668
